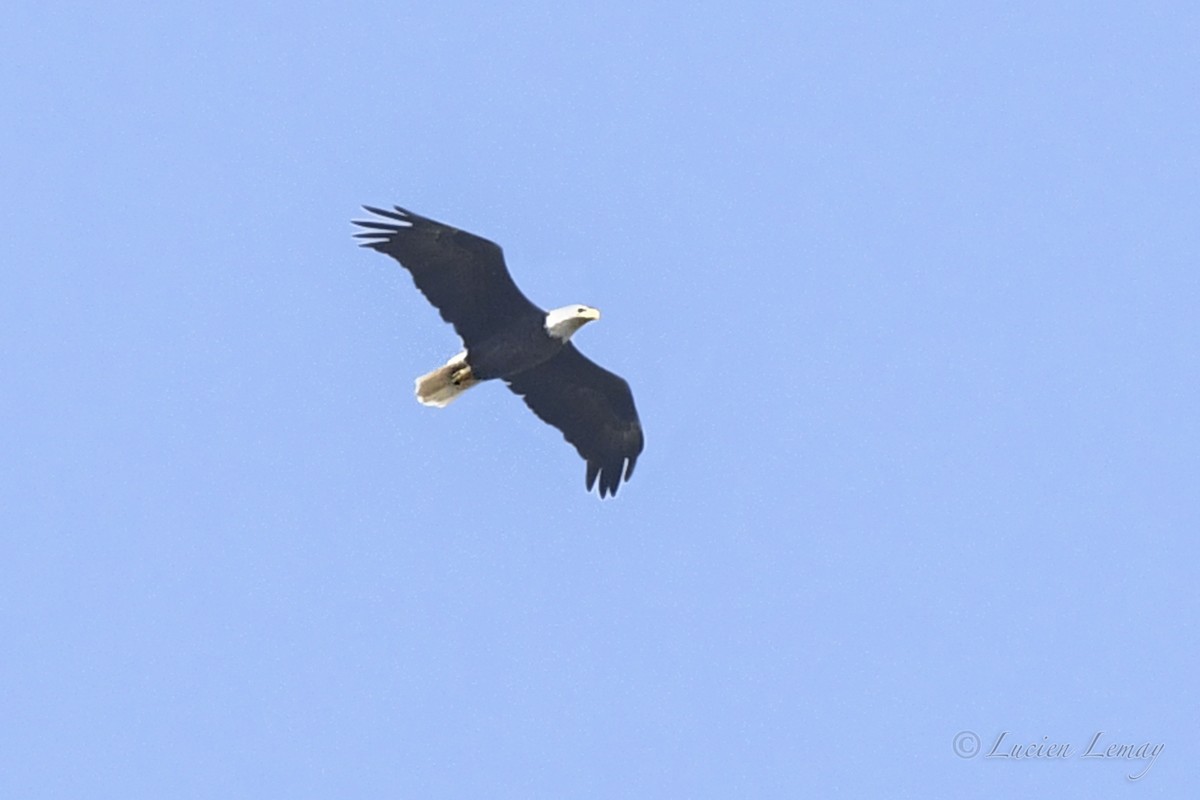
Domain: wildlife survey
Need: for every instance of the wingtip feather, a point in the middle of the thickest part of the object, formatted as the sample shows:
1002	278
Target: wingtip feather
389	227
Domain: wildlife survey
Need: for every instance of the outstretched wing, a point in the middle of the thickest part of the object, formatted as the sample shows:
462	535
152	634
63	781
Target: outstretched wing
462	274
594	410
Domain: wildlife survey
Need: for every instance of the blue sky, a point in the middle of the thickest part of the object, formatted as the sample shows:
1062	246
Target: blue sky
908	300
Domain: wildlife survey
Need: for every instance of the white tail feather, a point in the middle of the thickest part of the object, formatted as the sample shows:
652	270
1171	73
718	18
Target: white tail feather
440	387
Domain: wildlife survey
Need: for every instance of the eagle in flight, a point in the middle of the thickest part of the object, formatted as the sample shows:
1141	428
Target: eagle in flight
506	336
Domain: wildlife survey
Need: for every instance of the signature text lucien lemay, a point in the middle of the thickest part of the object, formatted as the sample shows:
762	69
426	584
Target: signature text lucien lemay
1007	747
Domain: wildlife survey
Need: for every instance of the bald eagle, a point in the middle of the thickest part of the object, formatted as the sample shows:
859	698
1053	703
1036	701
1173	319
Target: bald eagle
506	336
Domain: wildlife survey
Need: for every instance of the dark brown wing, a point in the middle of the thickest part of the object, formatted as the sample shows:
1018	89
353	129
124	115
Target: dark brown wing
462	274
594	410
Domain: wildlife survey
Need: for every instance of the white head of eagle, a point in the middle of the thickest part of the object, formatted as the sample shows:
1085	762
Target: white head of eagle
507	337
561	323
